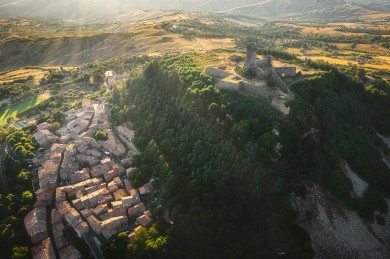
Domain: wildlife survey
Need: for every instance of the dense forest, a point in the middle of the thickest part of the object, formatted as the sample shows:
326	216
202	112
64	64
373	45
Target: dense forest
208	149
20	197
344	119
224	183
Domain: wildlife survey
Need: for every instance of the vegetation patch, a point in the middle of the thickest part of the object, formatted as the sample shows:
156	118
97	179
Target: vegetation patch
13	111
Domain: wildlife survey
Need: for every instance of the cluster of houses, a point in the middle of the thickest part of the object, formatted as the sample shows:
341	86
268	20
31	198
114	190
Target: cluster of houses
83	184
37	227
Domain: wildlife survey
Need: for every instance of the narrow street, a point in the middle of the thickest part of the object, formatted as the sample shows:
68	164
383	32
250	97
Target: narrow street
96	251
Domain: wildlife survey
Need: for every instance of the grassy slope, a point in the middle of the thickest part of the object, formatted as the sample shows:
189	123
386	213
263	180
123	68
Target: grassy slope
13	111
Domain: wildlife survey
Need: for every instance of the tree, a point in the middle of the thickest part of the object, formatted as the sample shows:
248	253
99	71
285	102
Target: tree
267	142
55	126
117	247
24	175
57	115
213	110
148	243
27	196
20	252
100	136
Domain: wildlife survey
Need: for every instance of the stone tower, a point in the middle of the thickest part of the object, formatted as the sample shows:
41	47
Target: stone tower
251	56
270	60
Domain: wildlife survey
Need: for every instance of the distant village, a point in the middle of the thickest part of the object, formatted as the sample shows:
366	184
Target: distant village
84	184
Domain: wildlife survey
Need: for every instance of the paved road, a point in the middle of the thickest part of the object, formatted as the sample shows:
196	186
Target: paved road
89	239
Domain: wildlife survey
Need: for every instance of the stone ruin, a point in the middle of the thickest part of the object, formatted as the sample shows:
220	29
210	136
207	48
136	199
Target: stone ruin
251	52
264	69
252	62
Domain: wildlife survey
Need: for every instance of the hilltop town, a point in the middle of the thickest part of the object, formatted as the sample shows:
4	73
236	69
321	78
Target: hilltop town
257	131
84	184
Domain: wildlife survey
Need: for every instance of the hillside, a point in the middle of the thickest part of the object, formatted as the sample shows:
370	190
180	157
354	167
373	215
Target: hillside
326	9
319	9
213	151
28	42
286	156
80	50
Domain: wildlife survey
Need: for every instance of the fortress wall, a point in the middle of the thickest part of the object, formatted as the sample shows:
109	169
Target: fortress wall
280	106
253	90
266	62
212	71
286	71
225	85
263	74
263	62
279	82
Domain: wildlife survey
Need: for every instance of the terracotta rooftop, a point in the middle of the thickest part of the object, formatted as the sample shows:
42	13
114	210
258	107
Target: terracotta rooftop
114	225
69	252
44	250
136	210
112	187
112	213
128	162
95	224
128	185
55	216
35	223
45	195
81	228
119	194
102	208
144	220
79	176
135	194
43	126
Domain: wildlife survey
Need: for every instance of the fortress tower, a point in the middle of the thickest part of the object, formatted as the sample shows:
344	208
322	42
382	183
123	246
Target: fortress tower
250	61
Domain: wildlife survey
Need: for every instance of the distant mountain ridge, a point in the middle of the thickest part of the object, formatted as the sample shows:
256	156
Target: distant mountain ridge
75	9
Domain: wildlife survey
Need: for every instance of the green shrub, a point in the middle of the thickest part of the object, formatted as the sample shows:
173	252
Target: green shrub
55	126
100	135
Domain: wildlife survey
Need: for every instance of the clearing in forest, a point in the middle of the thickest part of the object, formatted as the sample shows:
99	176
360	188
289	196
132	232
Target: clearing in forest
13	111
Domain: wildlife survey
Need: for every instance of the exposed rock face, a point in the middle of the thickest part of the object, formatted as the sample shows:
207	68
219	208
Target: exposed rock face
386	140
337	233
359	186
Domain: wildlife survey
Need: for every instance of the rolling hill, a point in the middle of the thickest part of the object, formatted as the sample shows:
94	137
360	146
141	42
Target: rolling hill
272	9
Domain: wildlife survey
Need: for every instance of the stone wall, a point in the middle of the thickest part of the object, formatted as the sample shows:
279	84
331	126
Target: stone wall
253	90
266	62
263	74
212	71
226	85
286	71
280	106
248	88
279	82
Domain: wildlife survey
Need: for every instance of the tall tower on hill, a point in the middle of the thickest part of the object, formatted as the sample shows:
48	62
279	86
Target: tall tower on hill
250	61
